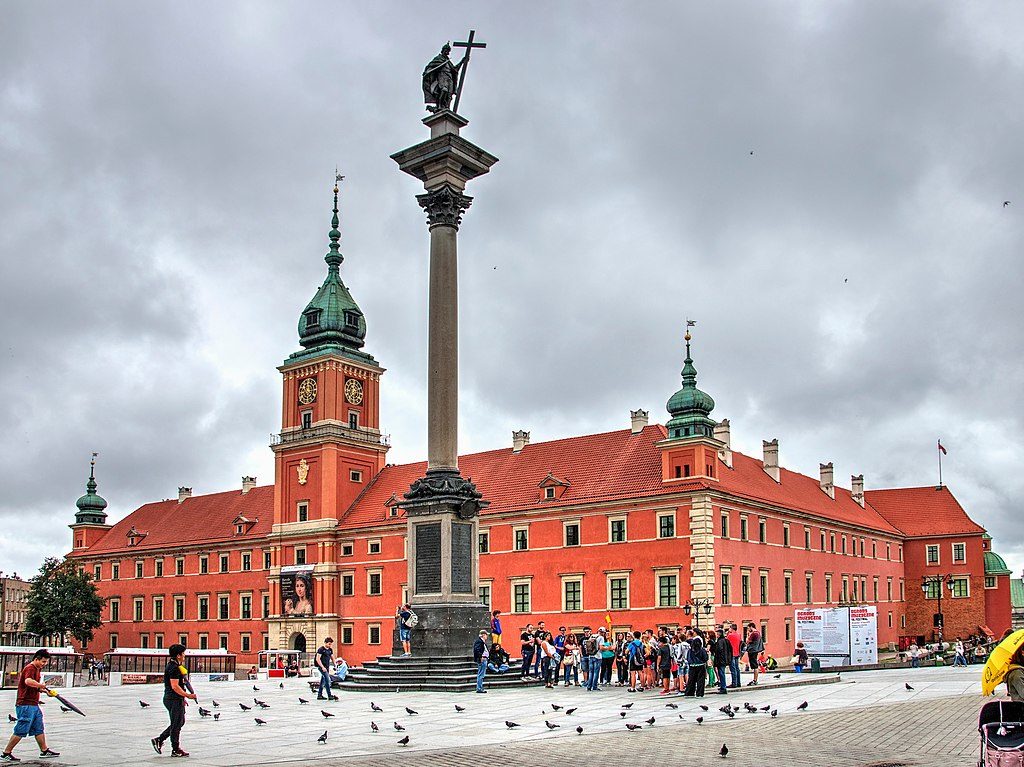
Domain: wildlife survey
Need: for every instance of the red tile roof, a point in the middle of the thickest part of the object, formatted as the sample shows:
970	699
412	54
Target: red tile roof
199	519
923	511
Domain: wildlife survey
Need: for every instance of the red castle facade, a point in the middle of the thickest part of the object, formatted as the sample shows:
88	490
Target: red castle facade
626	527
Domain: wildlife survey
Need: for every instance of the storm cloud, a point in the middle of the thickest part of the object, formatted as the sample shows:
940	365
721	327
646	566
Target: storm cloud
820	185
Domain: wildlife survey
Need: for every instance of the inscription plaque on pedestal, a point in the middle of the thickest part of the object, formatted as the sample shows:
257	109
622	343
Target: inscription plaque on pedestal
462	558
428	558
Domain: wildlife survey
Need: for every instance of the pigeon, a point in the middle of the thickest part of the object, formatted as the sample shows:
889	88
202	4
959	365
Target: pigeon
570	711
556	707
775	713
633	727
410	712
399	728
374	727
551	726
322	738
732	714
216	717
261	704
11	718
650	721
671	705
257	689
404	741
627	705
302	701
907	685
65	710
326	714
510	725
459	709
802	706
680	716
203	712
282	687
579	730
703	708
622	714
765	708
259	721
215	704
777	676
724	752
143	704
375	707
244	707
700	719
725	709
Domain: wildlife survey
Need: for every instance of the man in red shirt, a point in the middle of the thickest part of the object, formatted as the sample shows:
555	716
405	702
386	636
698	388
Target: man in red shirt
30	716
734	665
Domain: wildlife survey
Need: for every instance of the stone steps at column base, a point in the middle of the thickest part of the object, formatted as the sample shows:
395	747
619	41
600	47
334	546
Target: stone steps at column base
440	674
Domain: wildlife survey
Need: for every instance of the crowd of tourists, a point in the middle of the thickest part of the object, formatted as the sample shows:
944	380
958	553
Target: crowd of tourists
682	661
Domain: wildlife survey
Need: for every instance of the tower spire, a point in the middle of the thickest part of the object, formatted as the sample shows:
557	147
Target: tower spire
689	407
334	257
91	505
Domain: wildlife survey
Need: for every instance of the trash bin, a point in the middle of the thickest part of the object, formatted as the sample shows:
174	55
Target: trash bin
815	666
940	661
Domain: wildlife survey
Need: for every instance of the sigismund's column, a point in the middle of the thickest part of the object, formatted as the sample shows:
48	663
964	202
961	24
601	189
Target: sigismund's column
443	506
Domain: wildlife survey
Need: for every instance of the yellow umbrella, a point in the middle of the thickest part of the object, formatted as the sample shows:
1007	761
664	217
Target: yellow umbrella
999	662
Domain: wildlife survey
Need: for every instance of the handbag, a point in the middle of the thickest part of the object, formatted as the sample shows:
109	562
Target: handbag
795	659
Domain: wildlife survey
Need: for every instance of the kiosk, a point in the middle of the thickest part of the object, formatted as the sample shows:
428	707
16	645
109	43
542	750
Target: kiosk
276	664
145	665
59	672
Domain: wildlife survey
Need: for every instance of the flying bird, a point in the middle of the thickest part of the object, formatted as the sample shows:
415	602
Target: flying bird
700	719
556	707
374	727
326	714
322	738
570	711
410	712
802	706
375	707
259	721
907	685
459	709
650	721
404	741
510	725
633	727
579	730
303	701
551	726
724	751
399	727
143	704
244	707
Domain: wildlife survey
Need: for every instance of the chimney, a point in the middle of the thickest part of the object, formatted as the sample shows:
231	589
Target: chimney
771	458
857	488
183	493
638	420
827	480
520	439
722	434
248	483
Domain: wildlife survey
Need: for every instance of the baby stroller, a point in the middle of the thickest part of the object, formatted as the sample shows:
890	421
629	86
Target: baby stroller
1001	724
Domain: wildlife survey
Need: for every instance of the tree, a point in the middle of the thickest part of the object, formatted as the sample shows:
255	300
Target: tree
63	601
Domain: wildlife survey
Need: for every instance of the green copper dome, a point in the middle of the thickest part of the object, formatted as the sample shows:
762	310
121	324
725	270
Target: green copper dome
333	318
689	407
995	564
91	505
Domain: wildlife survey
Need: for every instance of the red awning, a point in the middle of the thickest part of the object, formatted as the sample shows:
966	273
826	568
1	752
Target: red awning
986	631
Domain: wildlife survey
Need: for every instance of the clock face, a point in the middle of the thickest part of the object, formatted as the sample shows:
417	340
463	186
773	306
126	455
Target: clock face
353	391
307	391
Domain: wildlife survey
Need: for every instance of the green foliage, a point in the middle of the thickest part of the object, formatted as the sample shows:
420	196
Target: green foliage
63	602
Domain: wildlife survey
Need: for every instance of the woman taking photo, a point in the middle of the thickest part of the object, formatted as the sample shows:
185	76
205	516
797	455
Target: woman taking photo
571	660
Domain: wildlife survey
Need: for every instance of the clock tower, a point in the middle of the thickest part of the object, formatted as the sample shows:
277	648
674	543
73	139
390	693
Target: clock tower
330	447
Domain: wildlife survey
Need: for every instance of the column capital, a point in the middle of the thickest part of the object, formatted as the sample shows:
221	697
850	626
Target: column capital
444	206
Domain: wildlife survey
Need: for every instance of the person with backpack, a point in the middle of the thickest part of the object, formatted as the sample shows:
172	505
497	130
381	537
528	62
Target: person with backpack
698	666
592	651
754	647
407	620
635	658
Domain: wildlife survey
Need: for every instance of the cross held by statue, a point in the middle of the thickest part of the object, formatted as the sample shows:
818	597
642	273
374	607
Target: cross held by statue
469	45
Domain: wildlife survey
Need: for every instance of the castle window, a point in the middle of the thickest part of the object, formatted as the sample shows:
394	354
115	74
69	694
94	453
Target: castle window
300	555
96	570
549	493
348	585
179	566
138	569
247	561
302	511
373	583
355	476
961	588
679	472
204	565
785	535
204	608
346	635
347	549
312	318
224	563
666	525
521	536
373	633
159	567
483	540
353	419
351	320
762	531
572	594
137	608
990	581
485	595
307	419
373	547
743	528
668	592
115	571
617	530
572	533
932	555
959	552
267	560
521	597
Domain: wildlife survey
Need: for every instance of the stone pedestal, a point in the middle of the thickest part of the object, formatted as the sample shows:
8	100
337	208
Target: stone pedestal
442	507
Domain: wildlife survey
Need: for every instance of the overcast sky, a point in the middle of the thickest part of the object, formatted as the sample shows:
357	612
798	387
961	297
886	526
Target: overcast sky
820	185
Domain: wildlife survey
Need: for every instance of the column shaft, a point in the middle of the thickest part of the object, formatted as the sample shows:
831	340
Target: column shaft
443	351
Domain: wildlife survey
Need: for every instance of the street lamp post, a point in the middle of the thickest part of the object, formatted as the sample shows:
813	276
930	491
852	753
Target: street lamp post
694	606
937	581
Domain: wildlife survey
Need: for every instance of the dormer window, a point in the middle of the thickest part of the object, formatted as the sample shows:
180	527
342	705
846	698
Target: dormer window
312	318
351	320
549	492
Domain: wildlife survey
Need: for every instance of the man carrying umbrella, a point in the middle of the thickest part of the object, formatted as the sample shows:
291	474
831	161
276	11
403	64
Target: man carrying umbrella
30	716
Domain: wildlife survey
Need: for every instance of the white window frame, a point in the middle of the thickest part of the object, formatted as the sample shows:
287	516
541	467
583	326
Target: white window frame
302	510
625	528
489	585
658	575
355	475
369	635
565	533
964	579
609	577
928	549
992	578
515	530
341	582
370	572
575	578
963	559
351	548
528	582
657	522
549	493
486	534
371	543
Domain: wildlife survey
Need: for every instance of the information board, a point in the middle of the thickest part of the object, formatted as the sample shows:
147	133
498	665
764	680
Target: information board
839	636
863	635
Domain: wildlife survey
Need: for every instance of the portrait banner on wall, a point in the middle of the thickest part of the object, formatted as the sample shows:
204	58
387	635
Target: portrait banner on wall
297	590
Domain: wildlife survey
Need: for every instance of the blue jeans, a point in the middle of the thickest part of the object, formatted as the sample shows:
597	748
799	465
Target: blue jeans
734	671
593	671
527	660
575	673
720	673
481	672
325	684
959	660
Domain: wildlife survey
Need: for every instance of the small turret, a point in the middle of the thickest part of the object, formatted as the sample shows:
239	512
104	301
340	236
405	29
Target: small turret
91	506
689	407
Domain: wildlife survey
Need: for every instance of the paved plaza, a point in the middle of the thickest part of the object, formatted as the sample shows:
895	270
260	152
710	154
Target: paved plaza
863	718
